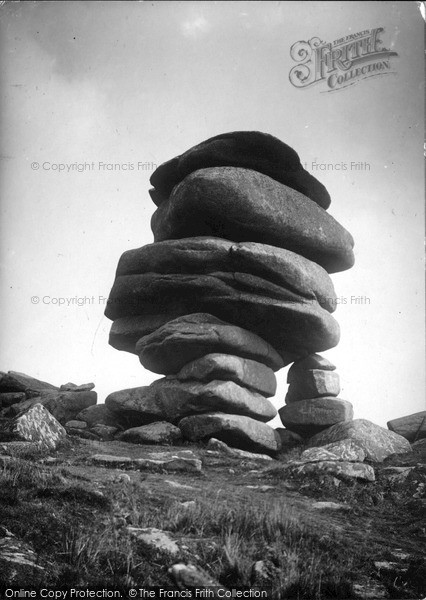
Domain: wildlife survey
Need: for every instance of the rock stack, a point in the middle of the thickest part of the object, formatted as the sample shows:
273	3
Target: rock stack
234	287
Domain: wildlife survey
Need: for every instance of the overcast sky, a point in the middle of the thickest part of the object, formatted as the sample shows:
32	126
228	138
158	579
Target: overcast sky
137	82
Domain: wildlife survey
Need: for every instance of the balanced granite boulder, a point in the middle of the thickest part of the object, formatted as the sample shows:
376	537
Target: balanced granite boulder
249	149
170	400
243	205
308	417
235	430
313	383
205	255
187	338
225	367
377	442
293	324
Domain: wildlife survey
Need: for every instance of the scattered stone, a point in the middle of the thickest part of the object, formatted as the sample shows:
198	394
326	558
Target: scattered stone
308	417
187	338
189	504
396	474
248	149
214	444
261	488
225	367
236	430
190	577
72	387
173	463
155	540
105	432
347	450
36	424
412	427
180	486
74	424
98	414
312	383
377	442
339	469
243	205
9	398
85	434
330	506
13	381
64	406
263	573
160	432
365	588
289	439
209	255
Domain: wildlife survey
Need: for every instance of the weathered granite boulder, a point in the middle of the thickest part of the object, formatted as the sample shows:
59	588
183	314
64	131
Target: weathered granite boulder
207	255
64	406
348	450
244	205
159	432
9	398
13	381
249	149
171	400
377	442
308	417
412	427
187	338
288	438
313	361
313	383
236	430
34	424
292	324
99	414
225	367
339	469
72	387
218	446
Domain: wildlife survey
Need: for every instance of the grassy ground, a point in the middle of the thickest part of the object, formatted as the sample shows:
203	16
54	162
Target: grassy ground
75	516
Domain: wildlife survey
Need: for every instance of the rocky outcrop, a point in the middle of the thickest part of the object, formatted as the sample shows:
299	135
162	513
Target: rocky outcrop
235	286
412	427
377	442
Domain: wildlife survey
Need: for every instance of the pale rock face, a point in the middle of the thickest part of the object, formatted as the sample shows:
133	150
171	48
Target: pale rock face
377	442
37	425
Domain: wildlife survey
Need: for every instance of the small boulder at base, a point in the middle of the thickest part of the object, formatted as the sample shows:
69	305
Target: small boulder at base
155	540
36	424
348	450
218	446
98	414
236	430
289	439
412	427
160	432
377	442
